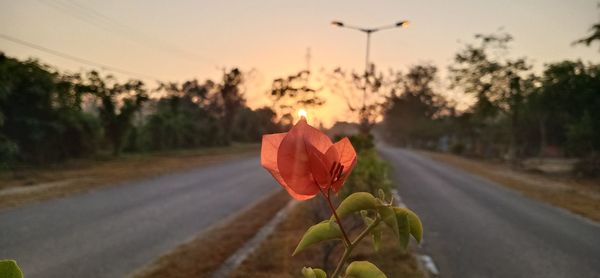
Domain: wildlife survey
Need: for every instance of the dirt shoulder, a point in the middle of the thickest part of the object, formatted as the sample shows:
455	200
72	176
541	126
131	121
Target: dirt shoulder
274	257
25	186
580	196
208	251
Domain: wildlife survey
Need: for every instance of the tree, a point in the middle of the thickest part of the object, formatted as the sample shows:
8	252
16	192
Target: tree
230	100
294	91
592	37
118	105
498	84
364	94
568	103
411	113
182	117
41	119
250	125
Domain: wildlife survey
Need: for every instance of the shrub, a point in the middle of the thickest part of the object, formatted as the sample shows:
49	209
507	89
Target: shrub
457	148
8	152
589	166
360	141
370	174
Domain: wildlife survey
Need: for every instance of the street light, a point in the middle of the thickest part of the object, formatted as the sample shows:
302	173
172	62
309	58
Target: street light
369	31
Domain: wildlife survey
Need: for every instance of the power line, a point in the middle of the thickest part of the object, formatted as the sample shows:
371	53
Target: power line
96	18
74	58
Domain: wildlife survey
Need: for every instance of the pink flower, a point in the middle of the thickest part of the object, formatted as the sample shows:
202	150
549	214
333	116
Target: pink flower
305	162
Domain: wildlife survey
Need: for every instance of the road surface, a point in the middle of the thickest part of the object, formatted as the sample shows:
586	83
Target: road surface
475	228
112	232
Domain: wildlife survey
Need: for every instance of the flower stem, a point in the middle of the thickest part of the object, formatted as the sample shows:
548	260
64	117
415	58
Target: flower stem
337	219
353	244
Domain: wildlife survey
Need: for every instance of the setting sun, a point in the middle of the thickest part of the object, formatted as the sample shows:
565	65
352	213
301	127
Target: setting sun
302	113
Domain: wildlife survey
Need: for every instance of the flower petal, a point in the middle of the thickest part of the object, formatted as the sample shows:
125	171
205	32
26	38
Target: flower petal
297	196
268	151
293	159
345	152
314	136
268	159
319	166
346	157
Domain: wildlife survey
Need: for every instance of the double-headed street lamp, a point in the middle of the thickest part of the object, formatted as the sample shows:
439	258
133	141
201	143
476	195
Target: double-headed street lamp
369	31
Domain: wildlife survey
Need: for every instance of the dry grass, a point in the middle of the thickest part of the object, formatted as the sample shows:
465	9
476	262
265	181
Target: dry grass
274	257
36	184
581	196
208	251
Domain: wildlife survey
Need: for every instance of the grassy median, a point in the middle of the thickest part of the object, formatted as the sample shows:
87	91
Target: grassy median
274	257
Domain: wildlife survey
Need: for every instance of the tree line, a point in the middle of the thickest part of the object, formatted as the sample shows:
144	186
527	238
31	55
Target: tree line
47	116
516	113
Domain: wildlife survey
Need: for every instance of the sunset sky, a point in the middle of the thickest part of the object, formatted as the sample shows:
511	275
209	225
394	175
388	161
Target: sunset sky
179	40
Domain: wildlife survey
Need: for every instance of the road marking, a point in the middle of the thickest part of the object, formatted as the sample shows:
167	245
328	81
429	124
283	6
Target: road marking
397	198
248	248
429	265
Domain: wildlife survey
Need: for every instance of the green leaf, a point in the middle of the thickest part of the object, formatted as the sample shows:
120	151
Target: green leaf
363	269
403	230
10	269
376	236
309	272
416	227
365	217
325	230
388	216
375	232
381	194
356	202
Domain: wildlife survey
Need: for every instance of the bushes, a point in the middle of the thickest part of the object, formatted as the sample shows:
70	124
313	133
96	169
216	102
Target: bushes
178	123
8	152
41	119
360	142
589	166
457	148
371	173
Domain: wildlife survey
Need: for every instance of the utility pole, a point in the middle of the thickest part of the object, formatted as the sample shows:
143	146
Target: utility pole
368	31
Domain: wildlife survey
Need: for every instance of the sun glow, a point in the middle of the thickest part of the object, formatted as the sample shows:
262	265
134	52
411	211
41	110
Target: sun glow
302	113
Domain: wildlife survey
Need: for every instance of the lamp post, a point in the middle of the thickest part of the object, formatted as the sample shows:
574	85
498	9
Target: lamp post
368	32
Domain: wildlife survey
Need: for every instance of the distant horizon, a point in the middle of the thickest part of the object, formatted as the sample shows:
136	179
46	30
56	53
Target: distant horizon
270	37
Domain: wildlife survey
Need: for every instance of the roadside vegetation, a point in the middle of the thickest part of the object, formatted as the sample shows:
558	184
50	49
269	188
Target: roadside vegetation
47	116
515	113
274	257
369	175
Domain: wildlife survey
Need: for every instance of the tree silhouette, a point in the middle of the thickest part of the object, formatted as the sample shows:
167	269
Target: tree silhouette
293	92
231	100
496	83
118	105
363	92
412	108
592	37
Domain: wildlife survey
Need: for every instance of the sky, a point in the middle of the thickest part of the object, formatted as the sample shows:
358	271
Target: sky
182	40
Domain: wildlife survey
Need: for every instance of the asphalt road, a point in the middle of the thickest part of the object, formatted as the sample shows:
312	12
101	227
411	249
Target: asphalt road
475	228
112	232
